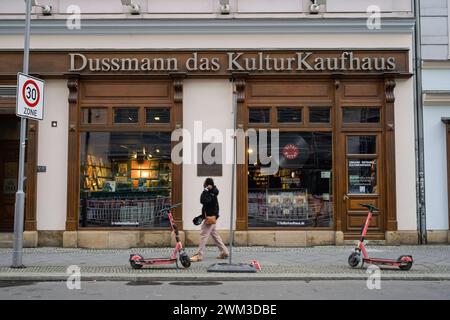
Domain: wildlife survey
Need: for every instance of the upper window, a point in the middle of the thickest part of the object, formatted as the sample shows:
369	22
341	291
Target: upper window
94	115
259	115
289	114
126	115
319	114
361	115
157	115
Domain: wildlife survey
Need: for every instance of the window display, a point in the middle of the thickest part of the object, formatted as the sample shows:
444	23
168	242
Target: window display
125	178
299	194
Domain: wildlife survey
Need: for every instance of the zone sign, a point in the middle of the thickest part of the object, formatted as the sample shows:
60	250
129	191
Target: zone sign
30	97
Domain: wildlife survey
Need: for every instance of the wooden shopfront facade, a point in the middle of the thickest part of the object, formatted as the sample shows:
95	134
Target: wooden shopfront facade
333	109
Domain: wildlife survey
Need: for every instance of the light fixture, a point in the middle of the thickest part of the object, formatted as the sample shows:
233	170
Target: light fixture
46	9
134	8
314	8
250	150
157	118
157	150
224	6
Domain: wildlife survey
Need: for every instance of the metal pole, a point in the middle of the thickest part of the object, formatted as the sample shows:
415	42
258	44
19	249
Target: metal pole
418	113
20	194
233	172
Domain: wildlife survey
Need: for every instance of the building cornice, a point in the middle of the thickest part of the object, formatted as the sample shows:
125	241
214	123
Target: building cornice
436	64
436	97
208	26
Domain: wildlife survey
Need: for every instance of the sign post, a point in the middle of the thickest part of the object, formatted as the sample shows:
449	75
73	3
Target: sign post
30	97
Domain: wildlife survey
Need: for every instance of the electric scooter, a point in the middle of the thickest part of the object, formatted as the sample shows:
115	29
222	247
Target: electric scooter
404	262
137	261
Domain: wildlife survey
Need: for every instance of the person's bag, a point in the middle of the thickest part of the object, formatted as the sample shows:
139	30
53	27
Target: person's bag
211	220
198	220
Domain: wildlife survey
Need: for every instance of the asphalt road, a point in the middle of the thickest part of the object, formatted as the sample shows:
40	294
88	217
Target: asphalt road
257	290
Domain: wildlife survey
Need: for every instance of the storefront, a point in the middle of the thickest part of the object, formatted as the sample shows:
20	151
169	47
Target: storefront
111	114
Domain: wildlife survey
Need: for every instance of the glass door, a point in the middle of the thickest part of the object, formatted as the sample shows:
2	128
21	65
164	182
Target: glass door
363	182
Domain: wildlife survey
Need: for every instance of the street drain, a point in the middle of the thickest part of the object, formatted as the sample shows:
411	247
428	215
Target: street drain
6	284
143	283
195	283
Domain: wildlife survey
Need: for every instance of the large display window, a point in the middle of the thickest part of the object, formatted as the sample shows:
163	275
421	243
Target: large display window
125	173
126	177
299	194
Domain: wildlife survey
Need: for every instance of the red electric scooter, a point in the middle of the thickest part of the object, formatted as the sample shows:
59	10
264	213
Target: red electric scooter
137	261
404	262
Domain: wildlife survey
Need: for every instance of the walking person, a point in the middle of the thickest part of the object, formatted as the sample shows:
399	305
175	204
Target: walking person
210	214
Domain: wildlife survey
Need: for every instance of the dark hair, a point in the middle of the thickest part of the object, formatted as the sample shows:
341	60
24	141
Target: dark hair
208	181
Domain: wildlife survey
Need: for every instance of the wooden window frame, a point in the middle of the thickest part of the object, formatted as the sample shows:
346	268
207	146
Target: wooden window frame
78	100
274	102
378	93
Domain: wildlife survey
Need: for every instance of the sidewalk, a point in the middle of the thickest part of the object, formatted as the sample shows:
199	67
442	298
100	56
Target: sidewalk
316	263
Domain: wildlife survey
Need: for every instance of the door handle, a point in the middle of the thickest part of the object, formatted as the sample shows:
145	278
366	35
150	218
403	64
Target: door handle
345	197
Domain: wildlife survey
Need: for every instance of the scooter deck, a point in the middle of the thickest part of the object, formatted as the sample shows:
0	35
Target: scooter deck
157	260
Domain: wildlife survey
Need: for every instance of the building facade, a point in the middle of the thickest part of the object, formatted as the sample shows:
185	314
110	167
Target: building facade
435	29
336	88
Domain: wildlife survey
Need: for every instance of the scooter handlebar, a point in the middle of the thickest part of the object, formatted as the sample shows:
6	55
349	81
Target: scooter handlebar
370	207
167	209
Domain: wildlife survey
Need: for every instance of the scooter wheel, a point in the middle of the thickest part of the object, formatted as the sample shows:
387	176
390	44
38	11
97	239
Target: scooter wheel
185	260
135	265
406	265
354	259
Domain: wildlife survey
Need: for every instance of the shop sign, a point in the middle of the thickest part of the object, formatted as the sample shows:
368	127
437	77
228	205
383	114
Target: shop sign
237	61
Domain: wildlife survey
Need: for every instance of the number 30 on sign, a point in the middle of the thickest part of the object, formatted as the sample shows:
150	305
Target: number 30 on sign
30	97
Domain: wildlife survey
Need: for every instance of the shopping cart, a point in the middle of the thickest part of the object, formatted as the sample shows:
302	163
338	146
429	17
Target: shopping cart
132	212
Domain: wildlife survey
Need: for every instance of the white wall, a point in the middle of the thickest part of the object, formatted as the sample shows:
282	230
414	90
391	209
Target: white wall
209	101
405	155
207	6
362	5
436	167
52	153
283	41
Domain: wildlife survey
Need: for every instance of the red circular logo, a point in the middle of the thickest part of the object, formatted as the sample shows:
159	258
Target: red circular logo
291	151
30	93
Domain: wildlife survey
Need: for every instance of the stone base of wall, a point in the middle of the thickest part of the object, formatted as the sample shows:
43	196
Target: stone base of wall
30	239
437	236
131	239
119	239
50	238
404	237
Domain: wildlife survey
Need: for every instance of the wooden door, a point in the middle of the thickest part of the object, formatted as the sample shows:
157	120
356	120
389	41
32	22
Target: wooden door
362	183
9	156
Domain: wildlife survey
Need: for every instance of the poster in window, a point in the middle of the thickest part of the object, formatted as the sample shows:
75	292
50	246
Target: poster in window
362	176
122	169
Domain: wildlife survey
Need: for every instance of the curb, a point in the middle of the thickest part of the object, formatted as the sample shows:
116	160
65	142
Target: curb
39	277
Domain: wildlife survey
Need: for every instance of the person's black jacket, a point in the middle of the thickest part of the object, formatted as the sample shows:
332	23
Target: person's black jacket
210	203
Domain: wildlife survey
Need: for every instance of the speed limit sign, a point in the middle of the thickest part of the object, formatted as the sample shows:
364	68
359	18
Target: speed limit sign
30	97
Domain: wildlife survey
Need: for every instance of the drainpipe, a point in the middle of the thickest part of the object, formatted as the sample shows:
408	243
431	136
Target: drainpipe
418	115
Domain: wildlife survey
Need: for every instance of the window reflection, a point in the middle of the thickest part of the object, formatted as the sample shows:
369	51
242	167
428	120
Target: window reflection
300	193
125	178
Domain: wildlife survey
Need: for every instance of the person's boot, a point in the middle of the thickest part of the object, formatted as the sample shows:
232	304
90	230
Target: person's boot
196	258
222	255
